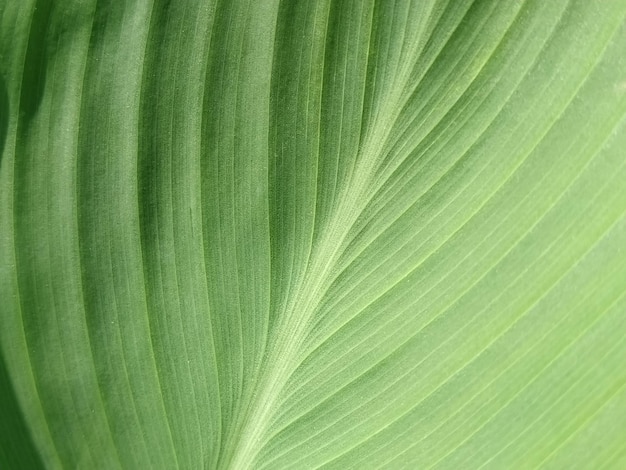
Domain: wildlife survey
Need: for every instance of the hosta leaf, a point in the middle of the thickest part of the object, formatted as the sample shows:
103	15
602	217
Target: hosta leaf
301	234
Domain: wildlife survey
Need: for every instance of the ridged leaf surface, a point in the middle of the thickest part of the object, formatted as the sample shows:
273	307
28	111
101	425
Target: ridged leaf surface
312	234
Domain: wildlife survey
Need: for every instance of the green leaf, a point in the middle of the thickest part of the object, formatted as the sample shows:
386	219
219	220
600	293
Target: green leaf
301	234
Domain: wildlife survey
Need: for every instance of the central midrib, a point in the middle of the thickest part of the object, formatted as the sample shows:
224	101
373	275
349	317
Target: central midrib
281	357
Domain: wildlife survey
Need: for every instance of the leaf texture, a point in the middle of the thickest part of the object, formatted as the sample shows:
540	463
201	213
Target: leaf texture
313	234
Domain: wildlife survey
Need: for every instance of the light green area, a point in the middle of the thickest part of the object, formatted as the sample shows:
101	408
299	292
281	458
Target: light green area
264	234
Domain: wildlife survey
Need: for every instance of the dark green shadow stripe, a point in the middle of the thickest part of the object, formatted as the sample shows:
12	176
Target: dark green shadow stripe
17	449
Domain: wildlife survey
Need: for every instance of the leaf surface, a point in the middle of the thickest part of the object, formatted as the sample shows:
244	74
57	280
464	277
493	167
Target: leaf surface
318	234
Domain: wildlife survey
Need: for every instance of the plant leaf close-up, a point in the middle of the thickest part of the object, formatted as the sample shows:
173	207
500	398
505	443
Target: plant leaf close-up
297	234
